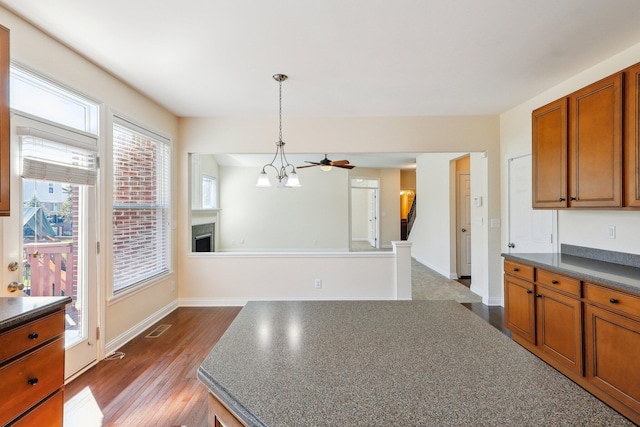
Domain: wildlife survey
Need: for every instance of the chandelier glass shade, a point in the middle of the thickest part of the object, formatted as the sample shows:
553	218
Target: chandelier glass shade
285	171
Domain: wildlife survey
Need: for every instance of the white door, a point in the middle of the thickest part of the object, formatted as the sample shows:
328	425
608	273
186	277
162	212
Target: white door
51	234
529	230
464	225
372	196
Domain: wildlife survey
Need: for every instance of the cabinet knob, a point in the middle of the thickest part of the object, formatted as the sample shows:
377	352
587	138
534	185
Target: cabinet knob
555	282
33	336
538	296
529	291
573	198
613	300
511	245
561	199
33	381
516	269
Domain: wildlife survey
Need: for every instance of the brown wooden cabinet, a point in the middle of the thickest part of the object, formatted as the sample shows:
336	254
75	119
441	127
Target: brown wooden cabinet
544	319
595	144
4	123
32	372
587	331
220	416
549	149
612	342
632	138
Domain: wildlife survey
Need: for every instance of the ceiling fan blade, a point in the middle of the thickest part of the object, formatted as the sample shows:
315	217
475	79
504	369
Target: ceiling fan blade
313	163
345	166
339	162
307	166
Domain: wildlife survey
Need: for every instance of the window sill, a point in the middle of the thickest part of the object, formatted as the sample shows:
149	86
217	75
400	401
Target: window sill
120	296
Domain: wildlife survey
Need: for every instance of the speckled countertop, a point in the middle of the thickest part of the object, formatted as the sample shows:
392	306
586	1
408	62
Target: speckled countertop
384	363
618	276
18	310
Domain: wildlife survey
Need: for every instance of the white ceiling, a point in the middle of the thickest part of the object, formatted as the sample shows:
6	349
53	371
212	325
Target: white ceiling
369	160
204	58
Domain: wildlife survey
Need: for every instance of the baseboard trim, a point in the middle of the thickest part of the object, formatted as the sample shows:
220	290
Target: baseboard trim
222	302
136	330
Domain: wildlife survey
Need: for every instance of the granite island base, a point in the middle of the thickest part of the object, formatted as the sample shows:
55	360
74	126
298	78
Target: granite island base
381	363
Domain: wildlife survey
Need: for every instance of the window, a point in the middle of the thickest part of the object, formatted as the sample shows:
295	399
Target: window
51	188
141	205
209	192
35	95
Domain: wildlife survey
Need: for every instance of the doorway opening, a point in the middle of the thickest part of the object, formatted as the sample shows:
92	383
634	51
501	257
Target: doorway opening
463	219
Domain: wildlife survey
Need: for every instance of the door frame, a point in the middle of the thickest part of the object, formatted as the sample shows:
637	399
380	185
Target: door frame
506	234
377	213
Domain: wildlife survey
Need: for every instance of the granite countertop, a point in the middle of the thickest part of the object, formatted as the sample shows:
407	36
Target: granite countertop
623	277
381	363
18	310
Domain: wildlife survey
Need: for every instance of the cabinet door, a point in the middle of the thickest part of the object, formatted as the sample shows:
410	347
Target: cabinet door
559	327
4	122
549	146
632	143
595	144
612	346
519	307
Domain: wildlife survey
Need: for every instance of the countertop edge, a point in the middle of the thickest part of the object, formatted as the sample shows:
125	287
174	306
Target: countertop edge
225	397
578	274
32	314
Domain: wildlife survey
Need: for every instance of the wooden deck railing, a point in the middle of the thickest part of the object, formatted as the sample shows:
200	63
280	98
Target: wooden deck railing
46	260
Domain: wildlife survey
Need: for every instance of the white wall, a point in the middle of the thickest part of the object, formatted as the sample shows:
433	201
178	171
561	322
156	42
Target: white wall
312	217
359	214
36	50
583	228
198	276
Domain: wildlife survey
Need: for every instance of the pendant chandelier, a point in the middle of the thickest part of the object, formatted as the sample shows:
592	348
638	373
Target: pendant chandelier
285	171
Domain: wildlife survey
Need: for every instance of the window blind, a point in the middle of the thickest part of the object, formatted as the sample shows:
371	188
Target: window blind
59	155
141	205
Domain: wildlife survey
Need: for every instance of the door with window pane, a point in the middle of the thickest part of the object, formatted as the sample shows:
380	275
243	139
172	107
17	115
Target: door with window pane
53	237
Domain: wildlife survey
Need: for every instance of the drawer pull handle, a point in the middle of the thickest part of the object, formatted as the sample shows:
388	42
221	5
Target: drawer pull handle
555	282
516	269
529	291
33	336
33	381
613	300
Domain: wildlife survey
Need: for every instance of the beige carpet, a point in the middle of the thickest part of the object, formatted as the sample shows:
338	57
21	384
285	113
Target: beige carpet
427	284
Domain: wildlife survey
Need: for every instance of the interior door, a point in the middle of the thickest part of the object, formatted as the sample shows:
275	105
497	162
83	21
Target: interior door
464	225
529	230
372	197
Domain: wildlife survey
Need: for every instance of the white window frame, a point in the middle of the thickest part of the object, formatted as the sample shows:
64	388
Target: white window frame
115	293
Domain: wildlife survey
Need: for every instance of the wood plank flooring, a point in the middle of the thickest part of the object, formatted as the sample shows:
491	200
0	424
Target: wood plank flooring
155	383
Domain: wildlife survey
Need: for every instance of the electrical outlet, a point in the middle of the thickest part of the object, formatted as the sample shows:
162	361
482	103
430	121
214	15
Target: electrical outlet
611	232
318	283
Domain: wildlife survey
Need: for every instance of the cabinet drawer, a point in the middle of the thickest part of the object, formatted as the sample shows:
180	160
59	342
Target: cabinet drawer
612	299
32	334
30	379
558	282
517	269
48	413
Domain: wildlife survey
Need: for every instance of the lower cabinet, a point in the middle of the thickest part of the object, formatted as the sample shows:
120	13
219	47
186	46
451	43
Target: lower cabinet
593	339
545	321
220	416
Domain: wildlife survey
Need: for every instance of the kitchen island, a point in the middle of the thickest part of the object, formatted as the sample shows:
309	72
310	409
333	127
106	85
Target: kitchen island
381	363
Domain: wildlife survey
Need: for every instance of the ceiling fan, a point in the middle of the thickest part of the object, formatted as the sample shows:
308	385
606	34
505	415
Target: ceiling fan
326	164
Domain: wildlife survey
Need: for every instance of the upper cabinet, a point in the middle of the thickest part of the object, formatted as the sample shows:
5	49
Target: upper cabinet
632	137
586	146
4	121
549	127
595	144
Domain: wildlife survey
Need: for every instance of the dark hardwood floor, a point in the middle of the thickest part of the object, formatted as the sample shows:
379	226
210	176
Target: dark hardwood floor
155	383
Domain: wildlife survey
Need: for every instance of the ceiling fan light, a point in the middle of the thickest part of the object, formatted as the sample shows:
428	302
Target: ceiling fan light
293	180
263	180
325	168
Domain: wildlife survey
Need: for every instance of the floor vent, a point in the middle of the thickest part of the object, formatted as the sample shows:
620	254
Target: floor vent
158	331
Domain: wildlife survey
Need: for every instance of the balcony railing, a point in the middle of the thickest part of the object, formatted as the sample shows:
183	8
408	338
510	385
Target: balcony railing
46	268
